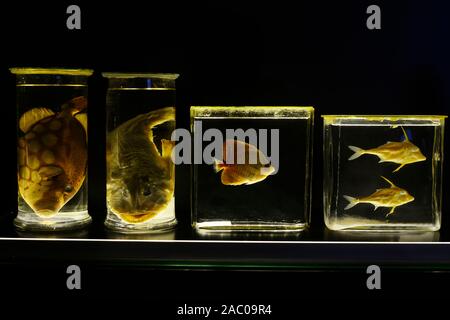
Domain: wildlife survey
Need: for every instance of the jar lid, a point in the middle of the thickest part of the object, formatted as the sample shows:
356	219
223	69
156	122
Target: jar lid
55	71
121	75
382	117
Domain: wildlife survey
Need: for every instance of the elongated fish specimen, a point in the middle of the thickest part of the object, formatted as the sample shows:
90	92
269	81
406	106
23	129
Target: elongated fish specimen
140	179
52	156
392	197
403	153
243	172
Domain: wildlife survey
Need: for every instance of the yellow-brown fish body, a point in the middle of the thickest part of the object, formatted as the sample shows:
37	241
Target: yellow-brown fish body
243	171
392	197
140	179
52	156
402	153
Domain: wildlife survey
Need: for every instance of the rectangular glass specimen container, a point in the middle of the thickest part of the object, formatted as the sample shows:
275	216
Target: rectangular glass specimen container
232	192
51	148
140	119
383	173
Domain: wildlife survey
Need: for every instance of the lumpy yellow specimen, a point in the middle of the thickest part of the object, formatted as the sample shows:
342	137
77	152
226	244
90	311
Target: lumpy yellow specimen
52	156
140	179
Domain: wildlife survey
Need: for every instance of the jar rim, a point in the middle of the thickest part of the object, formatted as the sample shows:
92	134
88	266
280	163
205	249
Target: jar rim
124	75
294	112
383	117
252	108
51	71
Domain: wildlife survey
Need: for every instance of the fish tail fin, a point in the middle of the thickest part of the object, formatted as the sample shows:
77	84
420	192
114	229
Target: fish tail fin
351	202
217	165
358	152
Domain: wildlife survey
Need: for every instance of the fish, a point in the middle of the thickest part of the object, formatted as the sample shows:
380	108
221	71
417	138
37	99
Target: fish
403	153
52	156
243	172
391	197
140	179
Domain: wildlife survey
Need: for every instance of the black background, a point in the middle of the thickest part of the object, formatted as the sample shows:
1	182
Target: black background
317	53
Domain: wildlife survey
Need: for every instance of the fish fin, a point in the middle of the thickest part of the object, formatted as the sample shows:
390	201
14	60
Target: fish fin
404	133
401	166
256	181
391	212
218	165
48	172
230	179
357	152
75	105
375	208
82	118
388	181
167	147
351	202
29	118
160	116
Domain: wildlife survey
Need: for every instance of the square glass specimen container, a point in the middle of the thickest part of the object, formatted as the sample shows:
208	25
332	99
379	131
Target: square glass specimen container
233	192
51	148
383	173
140	119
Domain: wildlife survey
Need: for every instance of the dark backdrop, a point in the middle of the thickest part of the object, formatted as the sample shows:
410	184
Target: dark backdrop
317	53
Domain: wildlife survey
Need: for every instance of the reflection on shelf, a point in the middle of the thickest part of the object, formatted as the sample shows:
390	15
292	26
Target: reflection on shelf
165	235
75	234
403	236
252	236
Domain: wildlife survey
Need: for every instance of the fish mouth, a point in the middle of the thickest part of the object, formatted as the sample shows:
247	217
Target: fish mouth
46	212
136	218
47	207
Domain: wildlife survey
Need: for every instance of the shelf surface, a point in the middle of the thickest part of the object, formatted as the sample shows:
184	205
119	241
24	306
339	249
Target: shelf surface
183	247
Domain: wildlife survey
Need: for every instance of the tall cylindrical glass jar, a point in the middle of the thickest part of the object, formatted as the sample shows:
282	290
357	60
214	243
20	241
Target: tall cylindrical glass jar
51	148
139	168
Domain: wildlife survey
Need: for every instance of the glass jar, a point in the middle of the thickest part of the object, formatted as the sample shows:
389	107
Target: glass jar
233	193
139	168
383	173
52	148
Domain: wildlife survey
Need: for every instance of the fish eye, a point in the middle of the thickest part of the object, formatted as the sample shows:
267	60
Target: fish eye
267	165
68	188
146	191
146	186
